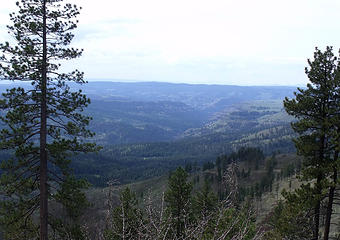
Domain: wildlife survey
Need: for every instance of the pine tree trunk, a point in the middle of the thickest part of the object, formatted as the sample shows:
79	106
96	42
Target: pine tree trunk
331	199
318	190
178	232
43	140
317	210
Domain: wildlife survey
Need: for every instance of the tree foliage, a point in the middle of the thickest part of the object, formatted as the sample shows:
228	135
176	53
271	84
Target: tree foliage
177	199
290	220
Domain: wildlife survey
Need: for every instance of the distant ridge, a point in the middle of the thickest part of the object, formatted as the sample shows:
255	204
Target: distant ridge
182	83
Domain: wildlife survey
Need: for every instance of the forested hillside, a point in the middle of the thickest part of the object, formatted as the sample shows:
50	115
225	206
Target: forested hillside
153	112
170	134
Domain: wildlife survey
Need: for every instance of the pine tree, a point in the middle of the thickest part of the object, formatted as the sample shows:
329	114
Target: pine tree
204	201
177	199
125	219
290	220
316	109
43	120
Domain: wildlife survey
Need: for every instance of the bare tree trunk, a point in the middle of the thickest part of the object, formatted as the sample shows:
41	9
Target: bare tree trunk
331	199
43	140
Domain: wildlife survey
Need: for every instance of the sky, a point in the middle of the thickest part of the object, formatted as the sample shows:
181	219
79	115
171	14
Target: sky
238	42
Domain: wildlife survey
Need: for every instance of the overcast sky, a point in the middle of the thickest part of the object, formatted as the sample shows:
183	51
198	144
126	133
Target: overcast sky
243	42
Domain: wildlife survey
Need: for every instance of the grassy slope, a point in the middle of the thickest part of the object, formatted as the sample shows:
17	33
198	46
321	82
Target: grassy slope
255	123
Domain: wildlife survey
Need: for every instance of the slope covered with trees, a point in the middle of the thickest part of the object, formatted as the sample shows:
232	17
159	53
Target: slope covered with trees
182	214
254	124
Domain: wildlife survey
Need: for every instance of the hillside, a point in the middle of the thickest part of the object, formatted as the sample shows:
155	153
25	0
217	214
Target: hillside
261	124
212	98
118	122
284	178
153	112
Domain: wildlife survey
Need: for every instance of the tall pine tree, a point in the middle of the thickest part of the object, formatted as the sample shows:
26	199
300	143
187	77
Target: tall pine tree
43	120
316	109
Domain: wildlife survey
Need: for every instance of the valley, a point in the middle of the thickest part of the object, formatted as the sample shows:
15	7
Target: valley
148	129
153	112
